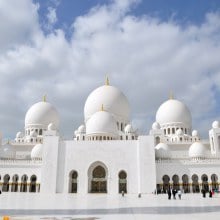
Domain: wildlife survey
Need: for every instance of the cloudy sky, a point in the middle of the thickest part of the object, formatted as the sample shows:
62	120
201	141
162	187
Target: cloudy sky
147	48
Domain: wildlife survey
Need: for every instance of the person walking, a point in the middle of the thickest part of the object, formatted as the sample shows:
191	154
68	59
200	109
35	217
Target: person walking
203	193
169	194
174	193
210	193
179	193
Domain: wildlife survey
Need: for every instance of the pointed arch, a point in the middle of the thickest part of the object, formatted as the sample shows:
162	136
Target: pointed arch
97	178
195	183
33	183
122	181
166	183
14	186
23	187
5	187
73	176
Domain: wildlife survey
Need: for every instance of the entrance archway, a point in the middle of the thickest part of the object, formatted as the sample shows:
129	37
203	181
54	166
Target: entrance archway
97	176
176	184
73	181
195	183
5	187
122	183
205	185
166	183
185	180
14	186
33	183
23	187
214	179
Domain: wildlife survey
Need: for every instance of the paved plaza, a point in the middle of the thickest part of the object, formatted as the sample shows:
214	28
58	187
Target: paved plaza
93	206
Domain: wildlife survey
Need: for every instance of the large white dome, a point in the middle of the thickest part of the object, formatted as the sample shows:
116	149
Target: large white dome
102	122
42	113
174	111
197	150
113	100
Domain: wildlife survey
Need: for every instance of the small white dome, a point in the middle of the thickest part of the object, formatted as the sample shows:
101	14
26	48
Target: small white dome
102	122
42	113
128	129
37	151
215	124
51	127
195	133
113	100
162	150
197	150
179	132
7	151
173	111
19	135
155	126
81	129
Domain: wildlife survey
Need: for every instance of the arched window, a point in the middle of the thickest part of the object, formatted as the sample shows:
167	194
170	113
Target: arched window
14	187
97	176
23	187
73	181
185	131
40	132
173	130
157	140
168	130
195	183
122	183
166	183
165	131
214	179
33	183
176	184
5	187
205	185
185	180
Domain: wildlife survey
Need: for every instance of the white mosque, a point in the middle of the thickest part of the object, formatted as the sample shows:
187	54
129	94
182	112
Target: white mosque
107	155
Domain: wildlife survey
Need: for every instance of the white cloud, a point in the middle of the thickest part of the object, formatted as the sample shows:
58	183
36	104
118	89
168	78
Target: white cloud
143	56
51	16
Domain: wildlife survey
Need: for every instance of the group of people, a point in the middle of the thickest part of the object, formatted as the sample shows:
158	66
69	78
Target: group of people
204	193
173	192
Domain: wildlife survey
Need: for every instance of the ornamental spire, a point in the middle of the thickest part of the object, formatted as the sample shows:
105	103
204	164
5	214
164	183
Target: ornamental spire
102	108
44	98
106	81
171	95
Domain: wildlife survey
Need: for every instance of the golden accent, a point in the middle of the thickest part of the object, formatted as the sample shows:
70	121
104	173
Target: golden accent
102	108
171	95
106	81
44	98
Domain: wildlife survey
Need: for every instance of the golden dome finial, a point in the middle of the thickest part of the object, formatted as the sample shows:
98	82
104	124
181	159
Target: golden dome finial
44	98
106	81
102	108
171	95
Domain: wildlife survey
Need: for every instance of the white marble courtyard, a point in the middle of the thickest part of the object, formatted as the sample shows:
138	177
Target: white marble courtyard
91	207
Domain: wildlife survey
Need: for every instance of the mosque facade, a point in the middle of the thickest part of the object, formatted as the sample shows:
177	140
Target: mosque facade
107	155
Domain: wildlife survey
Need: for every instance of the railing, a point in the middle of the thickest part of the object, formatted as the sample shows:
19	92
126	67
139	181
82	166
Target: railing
20	162
190	161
